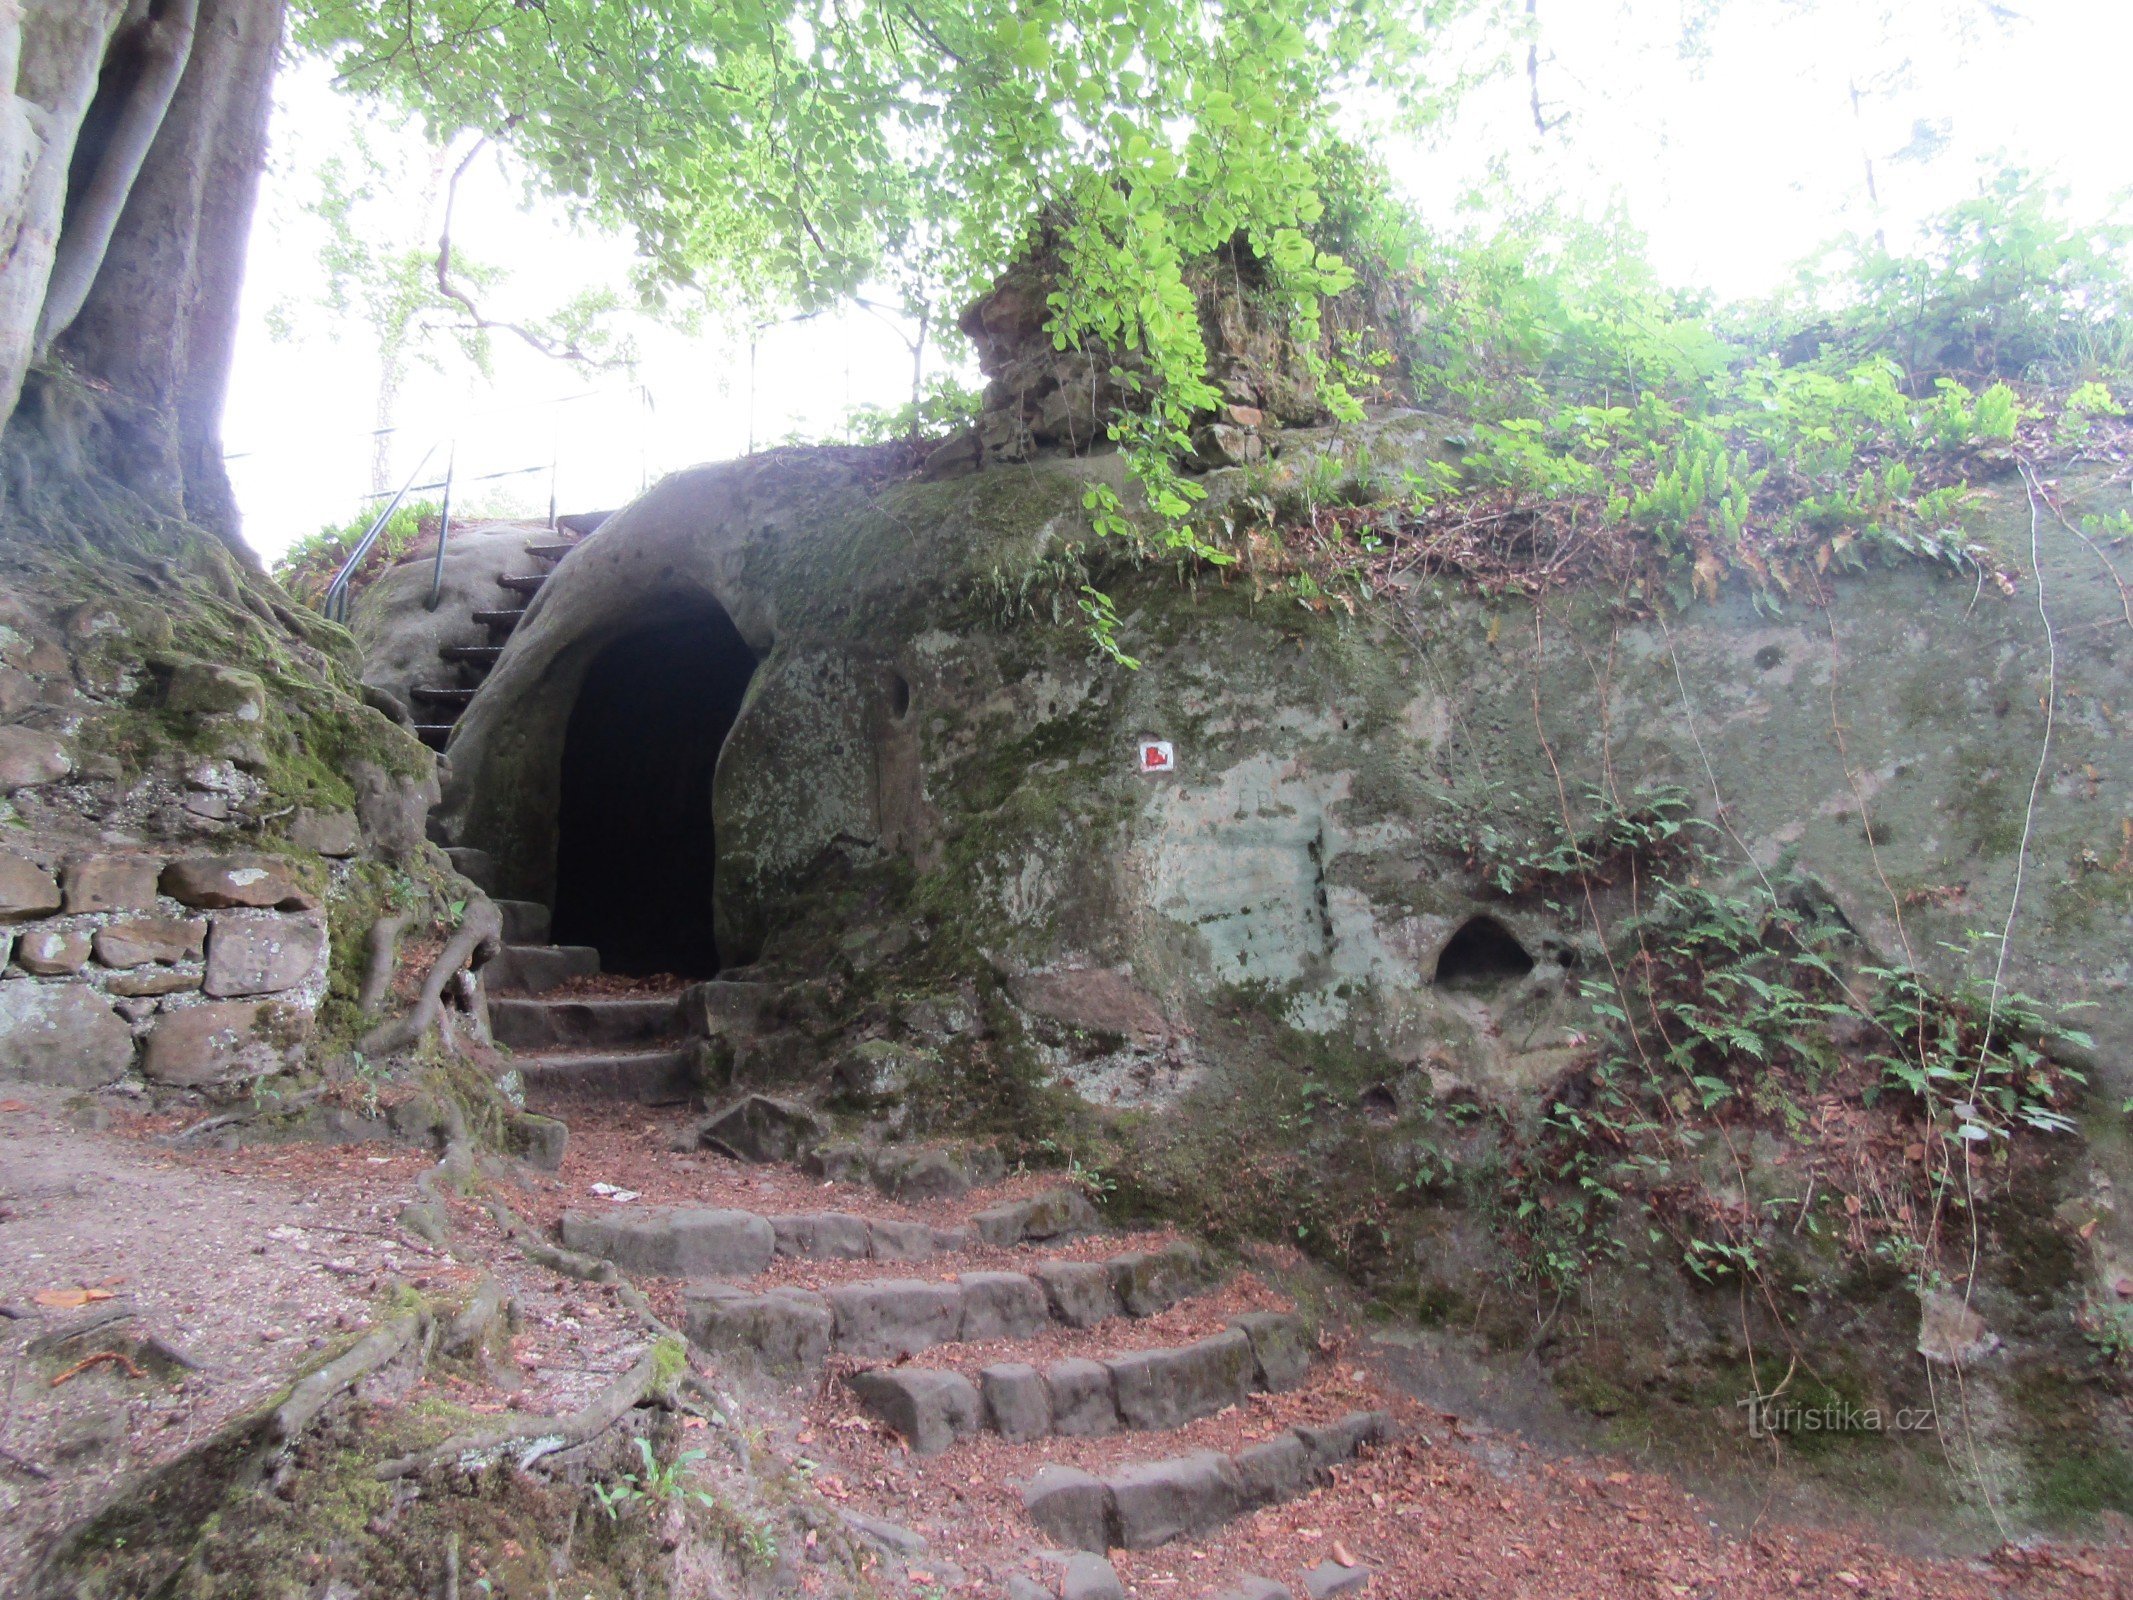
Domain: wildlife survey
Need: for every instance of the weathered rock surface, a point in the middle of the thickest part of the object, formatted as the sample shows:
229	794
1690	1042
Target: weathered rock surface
51	952
1084	1401
112	883
326	833
1017	1405
932	1410
763	1128
902	1317
220	1041
1151	1503
214	882
1055	1214
1164	1389
29	758
61	1033
785	1330
26	889
674	1241
137	941
262	953
1001	1305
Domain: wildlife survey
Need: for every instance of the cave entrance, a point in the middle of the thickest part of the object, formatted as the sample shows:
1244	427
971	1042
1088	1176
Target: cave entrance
636	852
1482	957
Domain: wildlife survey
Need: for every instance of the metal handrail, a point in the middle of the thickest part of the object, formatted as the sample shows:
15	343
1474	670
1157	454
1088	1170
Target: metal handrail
336	600
336	603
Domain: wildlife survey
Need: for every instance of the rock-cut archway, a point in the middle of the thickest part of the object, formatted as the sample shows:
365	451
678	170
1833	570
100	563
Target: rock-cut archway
636	846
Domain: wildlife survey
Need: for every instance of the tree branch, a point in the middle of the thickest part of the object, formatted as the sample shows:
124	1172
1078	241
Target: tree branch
86	230
558	349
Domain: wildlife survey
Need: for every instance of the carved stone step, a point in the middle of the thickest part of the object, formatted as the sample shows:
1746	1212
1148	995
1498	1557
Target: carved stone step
1144	1391
532	1023
649	1077
525	583
435	695
537	968
434	734
525	921
471	655
500	621
1151	1503
887	1319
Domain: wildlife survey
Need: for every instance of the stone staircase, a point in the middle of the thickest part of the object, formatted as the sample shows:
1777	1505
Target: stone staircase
621	1047
468	664
1032	1347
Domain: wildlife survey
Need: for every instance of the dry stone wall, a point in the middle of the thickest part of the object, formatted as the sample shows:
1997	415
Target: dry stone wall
189	786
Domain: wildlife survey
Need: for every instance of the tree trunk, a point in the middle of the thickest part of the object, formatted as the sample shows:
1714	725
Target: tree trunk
51	56
159	327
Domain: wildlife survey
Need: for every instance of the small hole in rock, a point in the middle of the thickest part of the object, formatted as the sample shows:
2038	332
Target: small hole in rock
899	696
1770	657
1483	955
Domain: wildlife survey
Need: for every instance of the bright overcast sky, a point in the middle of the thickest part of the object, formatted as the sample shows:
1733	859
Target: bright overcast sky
1735	169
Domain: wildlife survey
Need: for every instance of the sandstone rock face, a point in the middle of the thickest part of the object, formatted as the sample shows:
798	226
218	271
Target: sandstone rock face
29	758
393	808
262	953
327	833
61	1033
207	689
26	889
400	635
112	883
219	881
138	941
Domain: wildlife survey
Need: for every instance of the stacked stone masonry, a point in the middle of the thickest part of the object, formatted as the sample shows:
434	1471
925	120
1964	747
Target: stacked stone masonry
194	970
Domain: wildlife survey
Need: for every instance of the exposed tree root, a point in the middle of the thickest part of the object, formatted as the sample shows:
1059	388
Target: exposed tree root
470	1330
480	934
652	1378
384	943
317	1390
571	1264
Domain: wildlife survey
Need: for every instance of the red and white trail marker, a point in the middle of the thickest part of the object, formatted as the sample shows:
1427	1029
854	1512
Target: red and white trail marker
1157	756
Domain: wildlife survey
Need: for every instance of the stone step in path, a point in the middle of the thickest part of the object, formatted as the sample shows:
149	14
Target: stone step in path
1146	1505
696	1241
531	1022
1092	1445
525	921
527	969
470	663
1147	1390
648	1077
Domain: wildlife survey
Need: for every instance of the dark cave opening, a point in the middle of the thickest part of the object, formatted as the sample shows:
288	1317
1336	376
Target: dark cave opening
1482	955
636	852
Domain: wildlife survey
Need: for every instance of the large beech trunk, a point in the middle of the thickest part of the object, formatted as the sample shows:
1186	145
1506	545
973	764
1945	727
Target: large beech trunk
130	151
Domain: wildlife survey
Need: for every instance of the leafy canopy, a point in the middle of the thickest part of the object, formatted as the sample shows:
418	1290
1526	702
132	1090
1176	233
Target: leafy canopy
791	151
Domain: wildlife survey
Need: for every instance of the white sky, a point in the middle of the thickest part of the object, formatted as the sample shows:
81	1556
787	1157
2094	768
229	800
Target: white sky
1735	171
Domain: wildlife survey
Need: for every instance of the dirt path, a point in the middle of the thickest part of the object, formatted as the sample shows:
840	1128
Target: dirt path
256	1263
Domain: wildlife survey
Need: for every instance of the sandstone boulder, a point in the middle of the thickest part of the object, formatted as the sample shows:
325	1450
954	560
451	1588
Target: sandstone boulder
112	883
138	941
29	758
763	1128
214	1043
262	953
26	889
931	1409
216	882
52	952
61	1033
